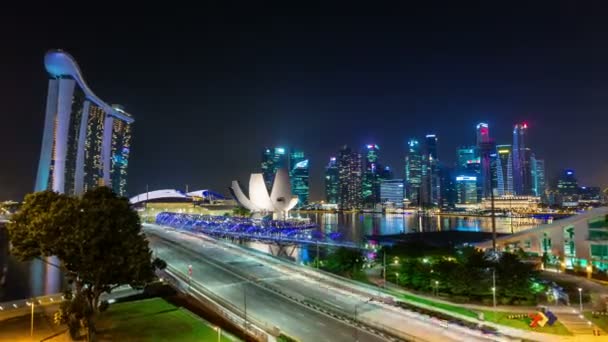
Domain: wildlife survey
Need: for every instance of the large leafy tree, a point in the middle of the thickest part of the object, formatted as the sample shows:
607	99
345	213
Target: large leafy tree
97	238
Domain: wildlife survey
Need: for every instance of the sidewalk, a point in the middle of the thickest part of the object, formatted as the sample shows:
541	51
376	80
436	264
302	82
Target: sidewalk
568	316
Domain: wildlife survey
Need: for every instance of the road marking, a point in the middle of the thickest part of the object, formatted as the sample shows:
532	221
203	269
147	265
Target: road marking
332	304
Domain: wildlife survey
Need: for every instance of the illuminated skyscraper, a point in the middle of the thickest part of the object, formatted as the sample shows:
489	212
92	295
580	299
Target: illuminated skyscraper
298	176
466	155
391	190
332	181
350	174
431	184
272	160
567	185
504	170
522	173
85	141
413	172
371	176
466	189
538	177
486	149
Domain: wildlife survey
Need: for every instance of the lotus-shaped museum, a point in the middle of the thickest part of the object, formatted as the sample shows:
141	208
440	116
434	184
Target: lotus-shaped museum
279	202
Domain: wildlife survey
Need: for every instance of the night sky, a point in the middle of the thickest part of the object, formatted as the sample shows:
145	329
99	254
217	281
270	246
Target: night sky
210	87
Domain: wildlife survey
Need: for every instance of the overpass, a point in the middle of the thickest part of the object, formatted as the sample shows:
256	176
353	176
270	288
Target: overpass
277	232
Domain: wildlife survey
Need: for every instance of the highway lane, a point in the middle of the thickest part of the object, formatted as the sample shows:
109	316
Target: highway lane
300	286
262	304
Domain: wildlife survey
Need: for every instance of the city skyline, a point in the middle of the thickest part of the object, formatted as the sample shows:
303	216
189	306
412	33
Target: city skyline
417	79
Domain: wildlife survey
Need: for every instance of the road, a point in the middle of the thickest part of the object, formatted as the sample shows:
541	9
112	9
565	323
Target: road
228	274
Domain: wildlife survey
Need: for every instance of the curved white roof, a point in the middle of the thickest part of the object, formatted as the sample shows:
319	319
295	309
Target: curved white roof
157	194
60	63
205	193
280	199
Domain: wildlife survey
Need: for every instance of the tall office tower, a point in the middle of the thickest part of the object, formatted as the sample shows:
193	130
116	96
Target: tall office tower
298	176
272	160
431	189
350	174
466	189
538	177
448	196
522	172
391	190
486	148
413	172
86	142
332	181
469	164
504	170
567	185
371	177
466	155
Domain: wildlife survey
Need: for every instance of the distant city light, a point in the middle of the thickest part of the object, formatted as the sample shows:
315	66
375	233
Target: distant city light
466	178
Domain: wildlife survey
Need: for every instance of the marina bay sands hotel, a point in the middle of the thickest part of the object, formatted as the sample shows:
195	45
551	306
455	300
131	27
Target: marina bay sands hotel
86	142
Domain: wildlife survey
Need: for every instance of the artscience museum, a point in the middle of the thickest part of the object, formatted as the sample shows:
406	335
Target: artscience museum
278	202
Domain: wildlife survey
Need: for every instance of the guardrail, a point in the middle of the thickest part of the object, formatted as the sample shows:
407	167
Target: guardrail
26	303
259	330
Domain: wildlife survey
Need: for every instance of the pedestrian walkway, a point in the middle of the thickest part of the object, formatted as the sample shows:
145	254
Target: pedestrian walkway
576	324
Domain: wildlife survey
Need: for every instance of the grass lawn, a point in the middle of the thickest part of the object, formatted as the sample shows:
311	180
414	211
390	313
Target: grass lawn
601	321
429	302
501	318
154	320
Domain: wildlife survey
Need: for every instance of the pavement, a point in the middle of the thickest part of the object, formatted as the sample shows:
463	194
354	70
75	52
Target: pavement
300	307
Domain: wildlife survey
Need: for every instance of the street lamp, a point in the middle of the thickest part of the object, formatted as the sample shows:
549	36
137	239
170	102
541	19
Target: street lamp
397	278
436	288
580	299
219	333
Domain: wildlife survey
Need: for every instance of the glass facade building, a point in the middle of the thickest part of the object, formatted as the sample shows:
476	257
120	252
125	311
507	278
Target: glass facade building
272	160
332	181
413	172
371	177
567	185
350	176
504	170
431	190
466	189
298	176
391	190
522	170
538	177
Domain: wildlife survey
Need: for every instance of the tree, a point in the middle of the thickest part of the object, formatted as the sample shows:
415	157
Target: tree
97	238
344	261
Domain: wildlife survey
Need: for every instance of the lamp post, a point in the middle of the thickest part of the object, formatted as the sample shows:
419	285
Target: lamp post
32	320
397	278
384	268
219	333
494	290
580	300
437	288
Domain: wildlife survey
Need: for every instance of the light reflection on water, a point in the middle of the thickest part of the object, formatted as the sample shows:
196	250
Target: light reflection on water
26	279
356	227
